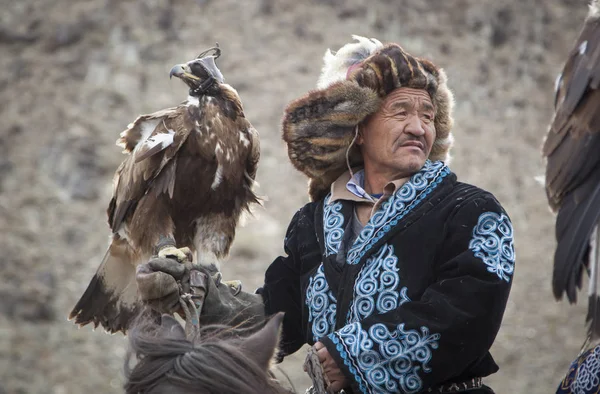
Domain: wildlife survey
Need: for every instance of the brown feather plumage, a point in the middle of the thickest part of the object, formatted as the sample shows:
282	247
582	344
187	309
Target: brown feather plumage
188	176
572	148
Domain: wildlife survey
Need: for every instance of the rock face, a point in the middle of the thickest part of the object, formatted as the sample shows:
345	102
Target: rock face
76	73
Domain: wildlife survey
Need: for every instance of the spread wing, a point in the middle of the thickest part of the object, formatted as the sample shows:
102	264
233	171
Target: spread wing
572	149
151	141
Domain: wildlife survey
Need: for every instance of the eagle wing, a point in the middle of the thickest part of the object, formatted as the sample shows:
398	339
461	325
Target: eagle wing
152	141
572	149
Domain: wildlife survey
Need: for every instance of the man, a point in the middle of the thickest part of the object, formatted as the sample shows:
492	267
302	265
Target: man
397	273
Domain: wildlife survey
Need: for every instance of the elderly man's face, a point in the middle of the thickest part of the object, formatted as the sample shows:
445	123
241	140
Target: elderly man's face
397	139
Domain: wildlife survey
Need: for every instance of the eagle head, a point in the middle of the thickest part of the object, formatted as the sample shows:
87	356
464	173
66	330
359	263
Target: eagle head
201	73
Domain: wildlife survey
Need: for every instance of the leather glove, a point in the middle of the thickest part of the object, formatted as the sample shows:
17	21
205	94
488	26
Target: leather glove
224	305
161	282
157	284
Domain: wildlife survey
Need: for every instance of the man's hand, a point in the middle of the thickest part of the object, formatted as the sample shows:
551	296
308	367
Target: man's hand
157	283
330	369
162	280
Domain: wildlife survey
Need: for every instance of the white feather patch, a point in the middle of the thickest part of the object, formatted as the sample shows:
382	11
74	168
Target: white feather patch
191	100
540	180
336	65
557	82
218	177
123	232
244	140
594	9
147	130
583	47
162	139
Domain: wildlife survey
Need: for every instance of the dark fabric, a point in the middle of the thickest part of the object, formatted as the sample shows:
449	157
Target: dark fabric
422	294
484	390
352	231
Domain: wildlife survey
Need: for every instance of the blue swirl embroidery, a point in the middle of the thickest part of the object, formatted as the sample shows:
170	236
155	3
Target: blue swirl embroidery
321	304
493	243
383	361
333	222
397	206
376	289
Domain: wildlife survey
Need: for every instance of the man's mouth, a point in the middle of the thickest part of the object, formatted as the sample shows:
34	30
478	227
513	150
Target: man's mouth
413	143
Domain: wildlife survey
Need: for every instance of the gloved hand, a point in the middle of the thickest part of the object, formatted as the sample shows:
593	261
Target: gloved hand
161	282
157	284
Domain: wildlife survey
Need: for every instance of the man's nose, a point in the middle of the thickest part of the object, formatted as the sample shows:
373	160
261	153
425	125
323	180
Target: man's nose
414	126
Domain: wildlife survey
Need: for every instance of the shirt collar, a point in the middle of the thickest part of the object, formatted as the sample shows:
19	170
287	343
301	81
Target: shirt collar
351	188
356	186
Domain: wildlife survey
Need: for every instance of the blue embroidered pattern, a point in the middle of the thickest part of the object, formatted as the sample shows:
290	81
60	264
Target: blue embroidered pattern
584	374
392	365
321	304
493	243
397	206
333	226
376	289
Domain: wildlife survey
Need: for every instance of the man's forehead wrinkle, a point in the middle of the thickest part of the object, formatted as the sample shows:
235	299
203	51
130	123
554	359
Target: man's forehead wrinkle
404	103
409	102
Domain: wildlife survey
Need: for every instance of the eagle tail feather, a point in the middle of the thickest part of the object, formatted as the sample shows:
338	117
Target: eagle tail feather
110	299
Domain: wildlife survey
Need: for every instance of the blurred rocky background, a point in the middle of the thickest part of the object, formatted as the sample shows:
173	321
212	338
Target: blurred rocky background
75	73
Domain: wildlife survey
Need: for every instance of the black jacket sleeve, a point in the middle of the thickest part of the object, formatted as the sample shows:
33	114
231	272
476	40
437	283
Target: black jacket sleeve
434	339
281	291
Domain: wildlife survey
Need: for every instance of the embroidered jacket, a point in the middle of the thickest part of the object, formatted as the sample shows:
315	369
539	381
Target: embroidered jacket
583	376
421	295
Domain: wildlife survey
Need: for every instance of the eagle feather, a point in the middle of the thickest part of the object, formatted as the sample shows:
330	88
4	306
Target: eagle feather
187	177
572	179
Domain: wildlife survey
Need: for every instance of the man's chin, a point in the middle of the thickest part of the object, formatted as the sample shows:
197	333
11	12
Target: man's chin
415	162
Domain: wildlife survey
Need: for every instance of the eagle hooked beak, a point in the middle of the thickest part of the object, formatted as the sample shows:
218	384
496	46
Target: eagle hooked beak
182	71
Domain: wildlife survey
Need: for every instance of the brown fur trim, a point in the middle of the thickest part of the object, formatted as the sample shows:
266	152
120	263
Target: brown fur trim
319	127
444	104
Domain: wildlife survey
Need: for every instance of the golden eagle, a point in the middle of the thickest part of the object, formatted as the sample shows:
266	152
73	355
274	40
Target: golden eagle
187	177
572	150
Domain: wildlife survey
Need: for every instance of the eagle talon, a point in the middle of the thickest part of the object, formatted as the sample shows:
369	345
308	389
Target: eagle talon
182	255
235	285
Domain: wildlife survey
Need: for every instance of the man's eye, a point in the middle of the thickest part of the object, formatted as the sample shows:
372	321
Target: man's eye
401	113
428	116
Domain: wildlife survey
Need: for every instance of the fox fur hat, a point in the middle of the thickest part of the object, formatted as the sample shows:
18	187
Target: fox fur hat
320	127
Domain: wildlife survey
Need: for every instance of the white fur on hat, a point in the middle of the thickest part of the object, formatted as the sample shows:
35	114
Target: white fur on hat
336	65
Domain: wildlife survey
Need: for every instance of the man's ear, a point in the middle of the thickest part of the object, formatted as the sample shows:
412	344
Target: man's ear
359	139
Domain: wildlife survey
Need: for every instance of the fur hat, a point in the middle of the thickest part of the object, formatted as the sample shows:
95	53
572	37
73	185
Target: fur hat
320	127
